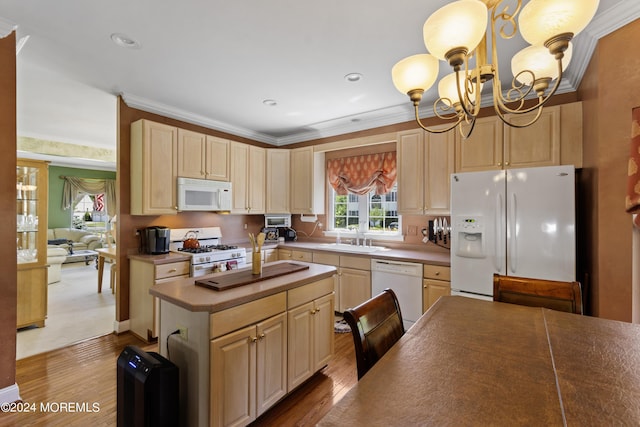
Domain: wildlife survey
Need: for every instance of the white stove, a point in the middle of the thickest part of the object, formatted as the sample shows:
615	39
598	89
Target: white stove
211	256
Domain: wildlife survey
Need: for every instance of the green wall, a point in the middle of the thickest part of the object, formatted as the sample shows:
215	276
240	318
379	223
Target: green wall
59	218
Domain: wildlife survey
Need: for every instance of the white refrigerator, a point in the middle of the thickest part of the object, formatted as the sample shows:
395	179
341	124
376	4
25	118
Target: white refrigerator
515	222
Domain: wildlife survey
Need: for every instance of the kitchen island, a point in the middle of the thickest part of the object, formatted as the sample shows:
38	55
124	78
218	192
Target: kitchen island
243	349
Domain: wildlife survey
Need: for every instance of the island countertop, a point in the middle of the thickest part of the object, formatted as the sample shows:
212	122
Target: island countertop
184	292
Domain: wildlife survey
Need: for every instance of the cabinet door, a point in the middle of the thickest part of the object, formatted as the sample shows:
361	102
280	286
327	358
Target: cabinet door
432	290
483	149
32	296
438	167
256	180
217	159
239	175
300	321
278	173
271	383
535	145
191	152
323	343
233	378
270	255
154	168
307	181
355	287
285	254
410	149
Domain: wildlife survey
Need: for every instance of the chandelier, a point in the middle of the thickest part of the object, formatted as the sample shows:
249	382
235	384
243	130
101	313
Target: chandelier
457	33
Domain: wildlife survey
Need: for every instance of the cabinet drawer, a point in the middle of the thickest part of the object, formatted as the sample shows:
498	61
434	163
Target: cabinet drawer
172	269
326	258
437	272
225	321
306	293
301	256
359	263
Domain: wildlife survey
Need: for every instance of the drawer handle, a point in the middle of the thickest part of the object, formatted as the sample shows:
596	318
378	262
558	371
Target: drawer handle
173	270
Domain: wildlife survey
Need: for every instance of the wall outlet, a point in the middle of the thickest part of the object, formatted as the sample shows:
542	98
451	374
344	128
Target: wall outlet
320	225
184	333
245	226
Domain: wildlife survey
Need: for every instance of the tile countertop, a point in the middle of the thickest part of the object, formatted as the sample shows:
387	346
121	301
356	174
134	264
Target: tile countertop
437	256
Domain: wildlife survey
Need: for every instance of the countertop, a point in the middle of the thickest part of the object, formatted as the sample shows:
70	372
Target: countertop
411	254
161	258
184	292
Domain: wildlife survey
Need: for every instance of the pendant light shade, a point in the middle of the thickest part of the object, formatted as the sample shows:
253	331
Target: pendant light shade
415	72
541	20
459	24
537	60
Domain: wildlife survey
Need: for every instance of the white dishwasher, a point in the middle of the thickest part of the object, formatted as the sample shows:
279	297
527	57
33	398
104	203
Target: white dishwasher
405	279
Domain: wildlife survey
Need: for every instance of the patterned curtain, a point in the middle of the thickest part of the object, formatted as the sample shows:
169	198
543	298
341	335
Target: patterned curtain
362	174
75	188
633	183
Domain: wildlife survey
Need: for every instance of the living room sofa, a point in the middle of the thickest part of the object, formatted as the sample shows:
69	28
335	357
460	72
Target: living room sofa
55	257
81	239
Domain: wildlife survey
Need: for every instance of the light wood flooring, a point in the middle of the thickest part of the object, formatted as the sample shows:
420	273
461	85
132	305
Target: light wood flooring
86	373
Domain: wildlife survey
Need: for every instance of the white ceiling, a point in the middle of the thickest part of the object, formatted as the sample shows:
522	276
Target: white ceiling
214	62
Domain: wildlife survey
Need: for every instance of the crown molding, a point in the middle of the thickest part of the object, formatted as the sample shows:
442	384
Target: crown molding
6	27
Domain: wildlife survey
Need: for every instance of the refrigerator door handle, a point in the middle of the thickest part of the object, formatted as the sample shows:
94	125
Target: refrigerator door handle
499	217
513	243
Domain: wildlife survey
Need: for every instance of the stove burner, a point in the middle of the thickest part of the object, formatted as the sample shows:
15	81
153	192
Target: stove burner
194	250
221	247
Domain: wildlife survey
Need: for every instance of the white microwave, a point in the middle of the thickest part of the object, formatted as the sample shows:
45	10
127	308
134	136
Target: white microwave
203	195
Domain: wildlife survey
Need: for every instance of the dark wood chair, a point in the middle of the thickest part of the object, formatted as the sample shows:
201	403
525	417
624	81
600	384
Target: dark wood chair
555	295
376	325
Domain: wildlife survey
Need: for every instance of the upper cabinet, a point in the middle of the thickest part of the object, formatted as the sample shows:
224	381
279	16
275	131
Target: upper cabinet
278	186
307	181
425	161
248	178
154	167
555	139
202	156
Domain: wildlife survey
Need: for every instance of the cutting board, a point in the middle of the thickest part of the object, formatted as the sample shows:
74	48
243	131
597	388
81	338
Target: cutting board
245	277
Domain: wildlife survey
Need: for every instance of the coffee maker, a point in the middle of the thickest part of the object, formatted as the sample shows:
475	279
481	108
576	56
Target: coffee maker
155	240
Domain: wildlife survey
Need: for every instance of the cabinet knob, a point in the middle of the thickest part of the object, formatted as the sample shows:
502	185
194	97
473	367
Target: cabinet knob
499	163
314	311
437	273
506	163
262	335
253	339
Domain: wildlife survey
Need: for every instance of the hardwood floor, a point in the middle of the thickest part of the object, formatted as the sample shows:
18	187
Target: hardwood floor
86	373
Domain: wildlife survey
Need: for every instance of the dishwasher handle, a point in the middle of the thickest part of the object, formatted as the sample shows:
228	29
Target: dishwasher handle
398	267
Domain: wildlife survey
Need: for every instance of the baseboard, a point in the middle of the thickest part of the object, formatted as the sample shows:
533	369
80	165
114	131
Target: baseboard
120	327
10	394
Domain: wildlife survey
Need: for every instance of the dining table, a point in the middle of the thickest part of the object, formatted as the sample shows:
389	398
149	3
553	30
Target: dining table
473	362
103	253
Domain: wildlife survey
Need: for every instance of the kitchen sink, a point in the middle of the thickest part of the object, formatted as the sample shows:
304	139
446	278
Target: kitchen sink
344	247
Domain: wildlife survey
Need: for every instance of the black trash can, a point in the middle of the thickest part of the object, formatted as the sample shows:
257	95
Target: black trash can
147	389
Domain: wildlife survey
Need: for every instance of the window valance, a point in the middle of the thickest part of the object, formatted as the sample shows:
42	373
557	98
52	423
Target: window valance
75	188
363	174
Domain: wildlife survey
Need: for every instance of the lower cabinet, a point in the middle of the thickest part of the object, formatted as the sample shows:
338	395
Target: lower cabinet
436	283
144	313
32	295
353	284
248	371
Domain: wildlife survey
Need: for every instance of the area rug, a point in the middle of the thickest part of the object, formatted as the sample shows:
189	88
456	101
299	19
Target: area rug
341	327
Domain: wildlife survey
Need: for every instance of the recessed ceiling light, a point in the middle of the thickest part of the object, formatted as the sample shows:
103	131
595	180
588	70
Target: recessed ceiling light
353	77
123	40
270	102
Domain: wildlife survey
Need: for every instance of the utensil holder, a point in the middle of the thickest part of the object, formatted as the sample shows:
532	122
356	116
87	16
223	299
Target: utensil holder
256	266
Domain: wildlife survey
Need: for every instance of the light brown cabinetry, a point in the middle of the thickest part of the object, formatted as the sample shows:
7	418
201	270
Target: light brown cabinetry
307	181
555	139
278	181
425	162
32	188
295	255
353	281
143	307
248	371
202	156
436	283
248	178
154	168
270	255
310	321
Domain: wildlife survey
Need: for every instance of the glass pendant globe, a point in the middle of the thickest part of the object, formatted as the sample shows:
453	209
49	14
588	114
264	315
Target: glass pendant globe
541	20
459	24
415	72
538	60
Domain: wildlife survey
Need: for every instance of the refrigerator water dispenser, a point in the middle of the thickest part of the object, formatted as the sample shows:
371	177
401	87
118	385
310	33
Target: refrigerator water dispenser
471	238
